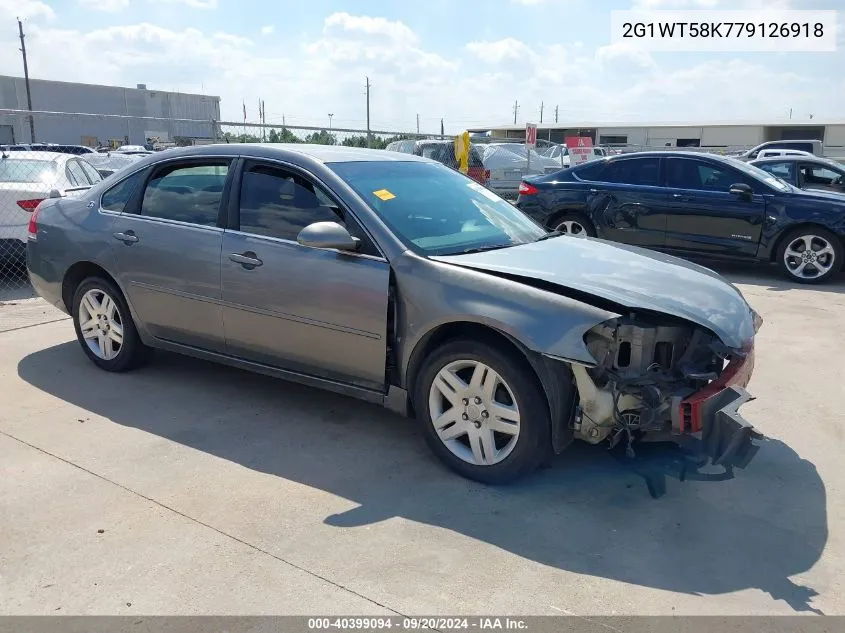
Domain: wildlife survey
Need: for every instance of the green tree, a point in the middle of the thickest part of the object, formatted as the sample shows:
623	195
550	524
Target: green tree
321	138
285	136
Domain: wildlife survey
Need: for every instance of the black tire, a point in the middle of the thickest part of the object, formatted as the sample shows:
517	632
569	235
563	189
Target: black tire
817	237
132	353
533	443
559	223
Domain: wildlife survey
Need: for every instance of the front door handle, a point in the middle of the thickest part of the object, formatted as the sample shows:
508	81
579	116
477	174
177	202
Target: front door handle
248	260
127	238
681	197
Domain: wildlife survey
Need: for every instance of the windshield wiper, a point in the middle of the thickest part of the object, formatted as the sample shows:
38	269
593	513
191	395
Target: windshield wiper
481	249
550	235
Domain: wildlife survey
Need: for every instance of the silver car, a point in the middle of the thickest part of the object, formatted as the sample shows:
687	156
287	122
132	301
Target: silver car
394	279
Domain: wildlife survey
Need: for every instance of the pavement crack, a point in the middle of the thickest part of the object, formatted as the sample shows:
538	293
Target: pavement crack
206	525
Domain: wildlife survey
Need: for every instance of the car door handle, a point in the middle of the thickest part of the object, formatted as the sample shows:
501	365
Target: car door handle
683	198
127	238
248	260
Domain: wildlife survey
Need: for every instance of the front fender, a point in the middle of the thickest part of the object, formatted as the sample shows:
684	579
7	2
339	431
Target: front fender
433	294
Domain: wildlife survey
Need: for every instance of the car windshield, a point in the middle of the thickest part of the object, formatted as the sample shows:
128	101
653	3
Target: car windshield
754	171
27	170
436	210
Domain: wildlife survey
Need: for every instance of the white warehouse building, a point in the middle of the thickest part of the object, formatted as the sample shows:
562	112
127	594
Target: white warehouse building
659	135
88	114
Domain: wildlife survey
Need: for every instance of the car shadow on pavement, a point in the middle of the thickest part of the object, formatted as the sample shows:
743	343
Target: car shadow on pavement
770	277
585	513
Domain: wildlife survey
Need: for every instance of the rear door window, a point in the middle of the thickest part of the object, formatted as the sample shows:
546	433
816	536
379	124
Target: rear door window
190	193
116	198
634	171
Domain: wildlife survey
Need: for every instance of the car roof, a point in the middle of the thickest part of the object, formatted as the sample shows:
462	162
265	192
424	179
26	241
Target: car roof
320	153
36	155
668	154
794	159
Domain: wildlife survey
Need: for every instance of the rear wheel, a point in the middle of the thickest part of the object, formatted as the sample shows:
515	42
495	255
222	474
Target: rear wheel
574	224
483	411
810	255
104	326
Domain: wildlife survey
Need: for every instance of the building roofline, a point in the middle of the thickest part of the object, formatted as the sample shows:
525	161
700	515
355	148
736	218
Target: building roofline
584	126
90	85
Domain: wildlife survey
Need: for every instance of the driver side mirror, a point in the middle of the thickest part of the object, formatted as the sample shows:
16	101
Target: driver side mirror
741	189
328	235
55	193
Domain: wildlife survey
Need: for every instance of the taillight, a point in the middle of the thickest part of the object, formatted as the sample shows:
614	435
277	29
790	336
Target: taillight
527	190
33	225
29	205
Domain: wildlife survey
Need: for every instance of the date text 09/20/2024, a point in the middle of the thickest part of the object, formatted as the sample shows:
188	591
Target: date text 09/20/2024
417	623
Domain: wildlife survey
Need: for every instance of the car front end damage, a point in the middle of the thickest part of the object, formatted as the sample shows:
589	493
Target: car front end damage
663	379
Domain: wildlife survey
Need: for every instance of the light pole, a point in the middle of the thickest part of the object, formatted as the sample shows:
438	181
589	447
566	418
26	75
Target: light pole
330	120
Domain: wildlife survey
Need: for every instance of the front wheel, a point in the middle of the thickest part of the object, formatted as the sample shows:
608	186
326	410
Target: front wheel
483	411
810	255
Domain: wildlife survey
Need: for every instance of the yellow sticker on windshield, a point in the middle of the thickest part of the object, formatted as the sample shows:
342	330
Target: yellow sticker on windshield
384	194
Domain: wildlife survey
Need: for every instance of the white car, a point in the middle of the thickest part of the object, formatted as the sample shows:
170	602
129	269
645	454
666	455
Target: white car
27	178
770	153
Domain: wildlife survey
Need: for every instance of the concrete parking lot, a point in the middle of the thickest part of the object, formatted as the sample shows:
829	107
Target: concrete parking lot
191	488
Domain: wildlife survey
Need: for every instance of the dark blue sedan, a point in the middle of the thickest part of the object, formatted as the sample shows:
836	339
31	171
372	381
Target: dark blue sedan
696	205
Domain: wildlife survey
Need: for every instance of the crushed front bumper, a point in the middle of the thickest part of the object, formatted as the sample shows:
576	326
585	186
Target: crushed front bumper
726	437
710	423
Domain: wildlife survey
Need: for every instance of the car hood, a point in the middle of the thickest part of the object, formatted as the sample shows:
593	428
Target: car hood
631	277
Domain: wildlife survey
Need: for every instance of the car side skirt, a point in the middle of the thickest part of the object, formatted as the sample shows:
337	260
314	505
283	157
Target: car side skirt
360	393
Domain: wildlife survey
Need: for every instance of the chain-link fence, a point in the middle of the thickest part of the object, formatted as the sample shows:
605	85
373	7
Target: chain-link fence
25	180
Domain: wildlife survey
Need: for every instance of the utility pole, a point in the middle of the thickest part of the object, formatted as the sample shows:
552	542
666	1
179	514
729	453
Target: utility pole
790	109
555	114
515	110
330	120
369	136
418	123
26	81
541	112
263	120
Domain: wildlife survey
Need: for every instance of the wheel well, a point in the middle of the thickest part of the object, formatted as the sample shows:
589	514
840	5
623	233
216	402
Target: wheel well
555	218
76	274
773	254
453	331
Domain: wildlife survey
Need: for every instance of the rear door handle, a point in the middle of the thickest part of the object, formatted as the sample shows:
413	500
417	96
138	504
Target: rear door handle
248	260
127	238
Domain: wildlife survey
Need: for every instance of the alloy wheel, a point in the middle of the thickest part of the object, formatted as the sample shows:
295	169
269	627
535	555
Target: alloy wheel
101	324
809	257
571	227
474	412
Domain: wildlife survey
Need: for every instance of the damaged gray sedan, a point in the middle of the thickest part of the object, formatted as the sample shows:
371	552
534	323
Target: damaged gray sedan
394	279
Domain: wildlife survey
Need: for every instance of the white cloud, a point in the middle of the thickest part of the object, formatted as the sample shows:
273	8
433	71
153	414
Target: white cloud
26	9
267	30
498	51
106	6
194	4
473	86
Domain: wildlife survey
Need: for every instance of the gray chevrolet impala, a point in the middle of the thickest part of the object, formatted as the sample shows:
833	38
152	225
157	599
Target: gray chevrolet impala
397	280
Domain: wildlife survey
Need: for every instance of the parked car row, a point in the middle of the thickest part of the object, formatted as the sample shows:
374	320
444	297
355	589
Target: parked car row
26	179
392	278
701	205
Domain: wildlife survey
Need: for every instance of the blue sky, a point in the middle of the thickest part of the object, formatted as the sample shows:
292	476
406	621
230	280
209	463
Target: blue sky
465	61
